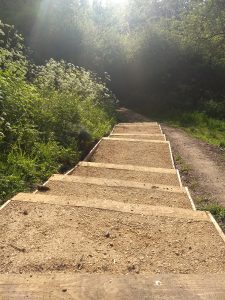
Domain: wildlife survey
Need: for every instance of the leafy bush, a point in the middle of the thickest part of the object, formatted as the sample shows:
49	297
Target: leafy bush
48	120
215	109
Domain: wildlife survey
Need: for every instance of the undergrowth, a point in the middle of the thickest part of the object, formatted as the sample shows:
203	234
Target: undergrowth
49	115
201	126
217	211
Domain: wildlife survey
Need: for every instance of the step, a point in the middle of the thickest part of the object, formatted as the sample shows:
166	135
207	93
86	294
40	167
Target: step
119	190
147	154
113	287
104	204
149	129
140	136
126	139
119	183
126	172
40	238
139	124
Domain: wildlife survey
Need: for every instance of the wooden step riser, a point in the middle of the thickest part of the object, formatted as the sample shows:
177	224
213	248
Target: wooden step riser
101	287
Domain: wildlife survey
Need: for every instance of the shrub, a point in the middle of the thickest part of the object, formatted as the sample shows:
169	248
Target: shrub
47	121
215	109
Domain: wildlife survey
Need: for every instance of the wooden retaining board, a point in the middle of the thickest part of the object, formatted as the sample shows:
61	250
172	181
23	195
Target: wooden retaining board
118	190
39	238
111	171
147	153
101	287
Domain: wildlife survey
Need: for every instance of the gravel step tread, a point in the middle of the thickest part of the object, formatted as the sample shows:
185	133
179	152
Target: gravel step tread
119	183
137	129
40	238
156	155
160	137
108	171
127	167
139	124
135	140
101	188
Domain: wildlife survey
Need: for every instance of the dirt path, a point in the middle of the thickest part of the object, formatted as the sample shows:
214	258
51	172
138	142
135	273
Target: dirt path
202	165
205	164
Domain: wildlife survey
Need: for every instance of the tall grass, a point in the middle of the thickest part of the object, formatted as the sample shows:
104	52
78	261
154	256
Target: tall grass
201	126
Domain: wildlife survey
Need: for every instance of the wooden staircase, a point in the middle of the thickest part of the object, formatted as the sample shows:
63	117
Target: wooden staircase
120	225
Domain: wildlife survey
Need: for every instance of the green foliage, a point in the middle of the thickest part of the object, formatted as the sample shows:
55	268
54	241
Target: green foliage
217	211
160	54
215	109
47	121
199	125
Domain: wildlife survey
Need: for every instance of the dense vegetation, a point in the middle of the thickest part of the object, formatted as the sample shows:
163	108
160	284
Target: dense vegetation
198	124
49	115
160	54
165	58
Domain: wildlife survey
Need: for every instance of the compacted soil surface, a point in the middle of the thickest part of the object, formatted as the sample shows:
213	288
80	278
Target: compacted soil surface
130	175
76	239
205	165
138	129
118	193
154	137
134	153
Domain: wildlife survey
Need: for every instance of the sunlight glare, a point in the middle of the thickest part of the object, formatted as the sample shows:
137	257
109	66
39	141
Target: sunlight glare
114	2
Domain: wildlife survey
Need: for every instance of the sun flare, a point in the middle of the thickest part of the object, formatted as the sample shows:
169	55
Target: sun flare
114	2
